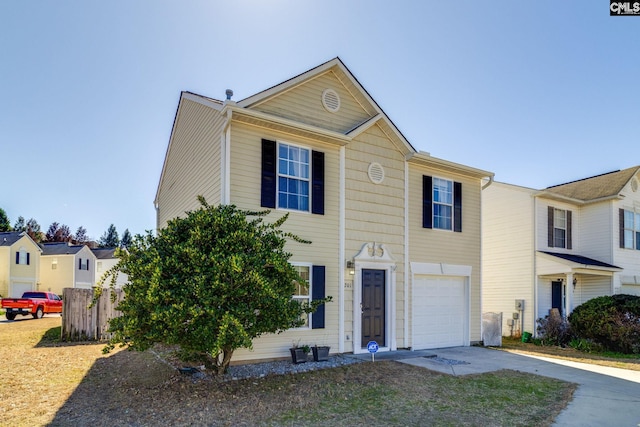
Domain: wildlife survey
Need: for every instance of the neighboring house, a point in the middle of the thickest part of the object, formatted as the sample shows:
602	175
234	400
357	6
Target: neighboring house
66	266
19	264
105	260
559	247
395	232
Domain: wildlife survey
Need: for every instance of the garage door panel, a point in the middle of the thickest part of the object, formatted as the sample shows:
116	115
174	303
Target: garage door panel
440	312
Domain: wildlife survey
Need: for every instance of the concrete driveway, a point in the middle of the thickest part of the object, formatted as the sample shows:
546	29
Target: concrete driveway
605	396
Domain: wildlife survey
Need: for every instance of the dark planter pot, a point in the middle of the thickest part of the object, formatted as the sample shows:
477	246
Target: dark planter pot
320	354
298	355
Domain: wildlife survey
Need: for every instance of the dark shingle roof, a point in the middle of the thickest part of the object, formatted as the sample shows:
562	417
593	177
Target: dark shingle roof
595	187
579	259
104	253
8	238
60	249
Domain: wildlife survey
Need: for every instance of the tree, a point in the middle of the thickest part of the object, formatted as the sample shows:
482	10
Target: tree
33	230
210	282
5	225
126	239
58	233
110	238
19	226
81	236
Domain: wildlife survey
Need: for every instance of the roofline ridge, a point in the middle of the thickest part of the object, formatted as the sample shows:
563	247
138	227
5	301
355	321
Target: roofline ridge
584	179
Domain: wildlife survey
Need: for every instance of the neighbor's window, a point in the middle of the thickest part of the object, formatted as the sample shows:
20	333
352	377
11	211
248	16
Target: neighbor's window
442	204
22	257
293	177
302	292
54	264
559	228
631	230
84	264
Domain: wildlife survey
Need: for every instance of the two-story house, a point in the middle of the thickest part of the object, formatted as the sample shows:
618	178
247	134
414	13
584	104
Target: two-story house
395	232
105	260
66	266
19	264
559	247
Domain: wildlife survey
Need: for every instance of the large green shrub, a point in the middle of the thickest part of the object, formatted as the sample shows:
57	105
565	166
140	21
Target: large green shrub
612	321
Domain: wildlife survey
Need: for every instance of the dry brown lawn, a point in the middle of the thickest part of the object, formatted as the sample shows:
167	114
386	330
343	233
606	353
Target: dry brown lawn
76	385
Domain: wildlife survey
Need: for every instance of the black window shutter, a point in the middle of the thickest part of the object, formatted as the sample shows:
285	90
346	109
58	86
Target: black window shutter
622	228
569	243
17	257
28	258
318	292
457	206
268	184
317	182
79	263
550	226
87	264
427	202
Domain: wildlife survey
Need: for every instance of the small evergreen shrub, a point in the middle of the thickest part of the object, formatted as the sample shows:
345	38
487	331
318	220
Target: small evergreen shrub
610	321
554	330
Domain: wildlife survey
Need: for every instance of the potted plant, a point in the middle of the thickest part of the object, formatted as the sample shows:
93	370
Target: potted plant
320	353
299	353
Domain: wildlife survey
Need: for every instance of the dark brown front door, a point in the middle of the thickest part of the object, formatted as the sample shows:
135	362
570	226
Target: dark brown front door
373	315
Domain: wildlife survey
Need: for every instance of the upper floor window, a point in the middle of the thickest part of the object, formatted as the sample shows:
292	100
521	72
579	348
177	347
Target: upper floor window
441	204
559	228
83	263
22	257
293	177
629	229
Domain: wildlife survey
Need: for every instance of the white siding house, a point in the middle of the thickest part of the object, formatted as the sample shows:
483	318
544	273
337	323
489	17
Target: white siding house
560	246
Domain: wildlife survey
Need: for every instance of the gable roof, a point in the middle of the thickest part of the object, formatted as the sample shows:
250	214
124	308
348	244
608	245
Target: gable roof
60	248
595	188
8	238
104	253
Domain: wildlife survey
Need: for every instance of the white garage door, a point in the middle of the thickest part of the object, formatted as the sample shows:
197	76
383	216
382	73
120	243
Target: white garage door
440	313
18	288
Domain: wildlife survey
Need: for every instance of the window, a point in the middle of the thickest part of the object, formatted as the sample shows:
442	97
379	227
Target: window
302	292
22	257
54	264
293	177
559	228
630	229
441	204
83	264
99	267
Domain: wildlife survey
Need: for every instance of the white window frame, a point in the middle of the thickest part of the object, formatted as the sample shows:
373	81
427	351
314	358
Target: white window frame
631	229
559	225
22	256
436	222
54	264
279	175
305	298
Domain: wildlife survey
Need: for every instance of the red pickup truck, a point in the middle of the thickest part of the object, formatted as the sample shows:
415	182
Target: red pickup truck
36	304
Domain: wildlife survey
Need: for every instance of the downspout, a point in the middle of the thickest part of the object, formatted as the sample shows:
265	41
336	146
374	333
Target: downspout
341	253
406	255
534	264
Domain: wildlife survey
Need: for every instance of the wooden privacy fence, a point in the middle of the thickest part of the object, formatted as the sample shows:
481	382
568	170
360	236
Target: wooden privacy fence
80	322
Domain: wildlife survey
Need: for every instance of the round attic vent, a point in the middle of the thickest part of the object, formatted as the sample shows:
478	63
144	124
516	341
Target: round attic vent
330	100
376	173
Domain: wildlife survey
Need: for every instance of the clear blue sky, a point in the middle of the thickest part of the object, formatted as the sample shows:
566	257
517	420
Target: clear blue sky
540	93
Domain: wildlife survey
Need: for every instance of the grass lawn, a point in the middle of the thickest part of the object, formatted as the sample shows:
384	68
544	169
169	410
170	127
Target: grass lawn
49	383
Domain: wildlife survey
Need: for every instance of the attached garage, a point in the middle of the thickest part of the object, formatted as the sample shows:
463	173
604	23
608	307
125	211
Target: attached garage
18	288
440	311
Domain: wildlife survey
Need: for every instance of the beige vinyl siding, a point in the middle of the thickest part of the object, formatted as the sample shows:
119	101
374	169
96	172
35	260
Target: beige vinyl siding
375	213
321	230
193	161
508	251
5	267
62	277
590	287
542	220
596	232
303	104
448	247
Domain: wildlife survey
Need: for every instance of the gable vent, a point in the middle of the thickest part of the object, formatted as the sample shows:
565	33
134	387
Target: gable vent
376	173
330	100
634	185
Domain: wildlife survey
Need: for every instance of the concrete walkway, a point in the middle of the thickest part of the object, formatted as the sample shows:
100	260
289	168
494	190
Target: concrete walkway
605	396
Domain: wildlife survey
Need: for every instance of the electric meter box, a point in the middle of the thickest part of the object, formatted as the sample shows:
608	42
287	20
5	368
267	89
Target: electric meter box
520	304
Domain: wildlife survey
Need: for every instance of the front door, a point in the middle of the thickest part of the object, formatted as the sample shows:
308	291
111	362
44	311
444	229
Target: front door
556	296
373	304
